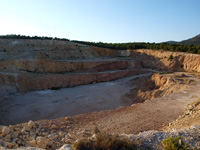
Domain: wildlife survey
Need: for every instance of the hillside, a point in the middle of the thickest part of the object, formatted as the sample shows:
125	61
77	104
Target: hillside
191	41
195	41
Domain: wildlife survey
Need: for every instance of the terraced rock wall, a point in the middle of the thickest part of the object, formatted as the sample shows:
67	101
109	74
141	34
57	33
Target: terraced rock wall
27	65
50	49
169	61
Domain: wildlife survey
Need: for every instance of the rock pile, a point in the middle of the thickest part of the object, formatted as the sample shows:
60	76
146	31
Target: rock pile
190	117
31	135
144	140
153	139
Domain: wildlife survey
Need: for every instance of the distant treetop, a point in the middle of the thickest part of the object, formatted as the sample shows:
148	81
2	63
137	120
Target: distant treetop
14	36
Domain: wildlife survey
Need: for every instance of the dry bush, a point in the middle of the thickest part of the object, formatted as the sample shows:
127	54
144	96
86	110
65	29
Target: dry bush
105	141
83	144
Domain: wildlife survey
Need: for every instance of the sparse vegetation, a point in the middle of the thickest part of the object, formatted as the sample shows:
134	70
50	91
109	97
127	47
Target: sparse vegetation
174	144
104	141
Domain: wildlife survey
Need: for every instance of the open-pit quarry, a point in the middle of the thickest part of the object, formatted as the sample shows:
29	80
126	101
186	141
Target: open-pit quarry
54	92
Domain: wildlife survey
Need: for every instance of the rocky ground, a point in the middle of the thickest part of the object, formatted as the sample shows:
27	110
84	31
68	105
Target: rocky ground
150	115
190	117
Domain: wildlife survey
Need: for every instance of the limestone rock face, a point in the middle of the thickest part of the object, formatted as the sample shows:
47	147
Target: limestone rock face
159	59
31	82
28	65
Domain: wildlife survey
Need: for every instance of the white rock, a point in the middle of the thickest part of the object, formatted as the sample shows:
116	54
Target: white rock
66	147
31	124
5	131
53	126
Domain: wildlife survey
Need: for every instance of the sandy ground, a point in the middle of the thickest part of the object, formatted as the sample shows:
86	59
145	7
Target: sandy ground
51	104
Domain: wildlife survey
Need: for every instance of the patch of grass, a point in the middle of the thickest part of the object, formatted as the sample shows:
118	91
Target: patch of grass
174	144
105	141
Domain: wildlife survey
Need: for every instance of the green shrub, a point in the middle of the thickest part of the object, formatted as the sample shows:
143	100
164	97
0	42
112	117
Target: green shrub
105	141
174	144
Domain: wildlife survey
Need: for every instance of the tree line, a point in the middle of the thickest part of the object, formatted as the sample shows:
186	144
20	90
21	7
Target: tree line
14	36
195	49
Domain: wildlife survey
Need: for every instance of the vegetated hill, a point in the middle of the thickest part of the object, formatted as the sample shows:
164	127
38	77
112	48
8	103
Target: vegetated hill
170	42
195	41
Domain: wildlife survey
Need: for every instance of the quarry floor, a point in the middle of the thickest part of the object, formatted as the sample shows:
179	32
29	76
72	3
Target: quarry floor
150	115
51	104
101	105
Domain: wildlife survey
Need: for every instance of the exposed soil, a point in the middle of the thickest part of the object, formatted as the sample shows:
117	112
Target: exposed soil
167	94
190	117
150	115
51	104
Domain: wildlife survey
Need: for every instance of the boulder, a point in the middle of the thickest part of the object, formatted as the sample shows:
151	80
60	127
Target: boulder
31	124
5	131
42	142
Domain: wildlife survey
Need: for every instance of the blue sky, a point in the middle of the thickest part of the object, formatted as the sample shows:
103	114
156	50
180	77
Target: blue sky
102	20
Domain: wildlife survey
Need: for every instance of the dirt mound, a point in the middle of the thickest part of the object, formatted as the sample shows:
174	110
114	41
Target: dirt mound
158	85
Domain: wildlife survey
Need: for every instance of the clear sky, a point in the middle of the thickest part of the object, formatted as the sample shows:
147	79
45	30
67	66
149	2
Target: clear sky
102	20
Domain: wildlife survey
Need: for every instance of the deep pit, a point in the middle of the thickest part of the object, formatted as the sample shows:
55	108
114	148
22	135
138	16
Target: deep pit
73	88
